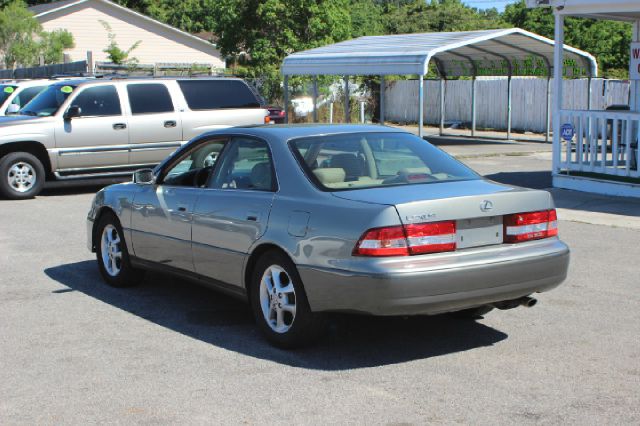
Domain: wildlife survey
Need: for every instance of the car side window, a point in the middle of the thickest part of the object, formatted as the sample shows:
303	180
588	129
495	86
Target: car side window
247	165
195	166
98	101
149	98
26	95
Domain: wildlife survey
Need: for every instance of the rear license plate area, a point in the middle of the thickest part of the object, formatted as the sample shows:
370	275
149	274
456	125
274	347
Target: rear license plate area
478	232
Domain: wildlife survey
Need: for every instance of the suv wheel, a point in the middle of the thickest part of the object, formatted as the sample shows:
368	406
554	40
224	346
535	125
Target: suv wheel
280	305
22	176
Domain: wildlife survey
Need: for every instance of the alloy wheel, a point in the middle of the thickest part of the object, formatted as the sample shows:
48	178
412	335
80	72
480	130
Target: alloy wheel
21	176
111	250
277	299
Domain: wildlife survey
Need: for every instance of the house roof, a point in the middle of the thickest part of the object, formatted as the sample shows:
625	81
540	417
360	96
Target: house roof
469	53
43	10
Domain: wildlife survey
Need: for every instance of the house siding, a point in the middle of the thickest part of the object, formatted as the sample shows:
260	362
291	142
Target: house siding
158	44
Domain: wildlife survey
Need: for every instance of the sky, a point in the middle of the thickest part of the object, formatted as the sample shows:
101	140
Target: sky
487	4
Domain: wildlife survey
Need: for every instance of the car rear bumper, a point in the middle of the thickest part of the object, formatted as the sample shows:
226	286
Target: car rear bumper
441	283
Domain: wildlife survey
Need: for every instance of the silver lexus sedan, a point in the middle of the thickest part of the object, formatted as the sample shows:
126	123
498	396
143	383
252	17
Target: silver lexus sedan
300	221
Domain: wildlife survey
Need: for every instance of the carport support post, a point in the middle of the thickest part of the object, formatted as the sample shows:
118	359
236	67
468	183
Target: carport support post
421	105
286	99
382	99
589	90
473	106
548	125
509	107
347	118
443	83
558	54
315	98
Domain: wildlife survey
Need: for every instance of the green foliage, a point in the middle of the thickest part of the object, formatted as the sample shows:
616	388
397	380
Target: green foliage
256	35
259	34
22	41
114	53
608	41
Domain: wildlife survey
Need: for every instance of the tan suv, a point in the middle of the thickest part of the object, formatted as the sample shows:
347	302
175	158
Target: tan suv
100	128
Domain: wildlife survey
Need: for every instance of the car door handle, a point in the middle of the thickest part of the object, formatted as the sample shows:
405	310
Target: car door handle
119	126
170	123
182	208
252	218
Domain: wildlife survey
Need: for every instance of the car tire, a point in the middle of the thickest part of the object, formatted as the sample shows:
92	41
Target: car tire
112	254
22	176
474	313
279	303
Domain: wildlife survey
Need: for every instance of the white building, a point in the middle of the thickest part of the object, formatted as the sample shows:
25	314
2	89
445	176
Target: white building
159	43
596	151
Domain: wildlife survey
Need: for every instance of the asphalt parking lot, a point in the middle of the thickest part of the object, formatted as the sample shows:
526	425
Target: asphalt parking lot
74	351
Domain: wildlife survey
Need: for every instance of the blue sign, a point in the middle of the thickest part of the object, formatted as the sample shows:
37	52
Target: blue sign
567	132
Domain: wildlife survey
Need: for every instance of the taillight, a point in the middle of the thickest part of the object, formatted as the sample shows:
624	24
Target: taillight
530	226
390	241
407	240
431	237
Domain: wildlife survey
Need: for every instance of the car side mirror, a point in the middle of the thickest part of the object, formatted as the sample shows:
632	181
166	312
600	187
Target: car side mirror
13	109
144	176
72	112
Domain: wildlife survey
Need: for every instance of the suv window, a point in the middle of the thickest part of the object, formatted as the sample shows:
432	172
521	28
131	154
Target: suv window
98	101
215	94
149	98
247	165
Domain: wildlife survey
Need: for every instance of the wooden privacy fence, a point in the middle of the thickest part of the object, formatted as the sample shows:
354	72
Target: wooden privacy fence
529	101
45	71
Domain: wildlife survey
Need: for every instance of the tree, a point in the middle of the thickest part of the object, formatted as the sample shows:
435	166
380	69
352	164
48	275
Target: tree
114	52
261	33
607	40
22	40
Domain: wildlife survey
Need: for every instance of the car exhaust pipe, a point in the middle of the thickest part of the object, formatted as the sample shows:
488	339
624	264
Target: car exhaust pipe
527	301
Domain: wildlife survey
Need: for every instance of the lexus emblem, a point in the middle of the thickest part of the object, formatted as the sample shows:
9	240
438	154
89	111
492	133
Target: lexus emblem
486	206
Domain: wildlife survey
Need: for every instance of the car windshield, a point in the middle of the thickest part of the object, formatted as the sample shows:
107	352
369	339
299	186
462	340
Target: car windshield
370	160
48	101
5	91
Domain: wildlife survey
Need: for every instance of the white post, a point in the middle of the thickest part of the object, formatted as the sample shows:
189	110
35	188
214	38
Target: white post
361	112
473	106
315	98
442	89
558	53
635	84
421	106
286	99
548	126
509	90
382	99
331	112
347	117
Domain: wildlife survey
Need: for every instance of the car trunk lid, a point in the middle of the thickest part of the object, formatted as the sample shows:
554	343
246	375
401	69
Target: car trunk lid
477	206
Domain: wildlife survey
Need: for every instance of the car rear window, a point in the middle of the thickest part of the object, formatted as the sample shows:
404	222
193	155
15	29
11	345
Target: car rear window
218	94
149	98
370	160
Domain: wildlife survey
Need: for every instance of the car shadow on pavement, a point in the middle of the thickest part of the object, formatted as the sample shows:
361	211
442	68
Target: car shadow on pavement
527	179
351	342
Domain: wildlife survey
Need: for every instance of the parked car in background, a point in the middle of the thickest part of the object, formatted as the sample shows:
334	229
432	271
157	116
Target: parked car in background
305	220
276	114
16	94
98	127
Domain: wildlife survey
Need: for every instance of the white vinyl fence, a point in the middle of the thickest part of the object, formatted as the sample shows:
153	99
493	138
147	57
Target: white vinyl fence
529	101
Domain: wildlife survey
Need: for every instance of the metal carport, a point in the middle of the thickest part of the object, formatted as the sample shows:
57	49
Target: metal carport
503	52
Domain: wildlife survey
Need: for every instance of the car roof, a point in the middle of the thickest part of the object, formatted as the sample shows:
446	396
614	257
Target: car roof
287	132
79	81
